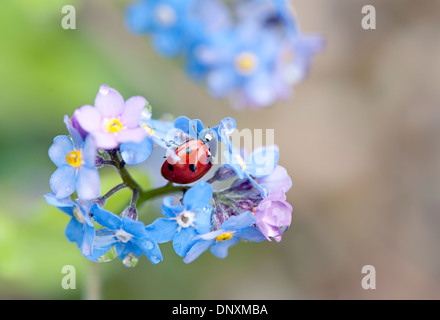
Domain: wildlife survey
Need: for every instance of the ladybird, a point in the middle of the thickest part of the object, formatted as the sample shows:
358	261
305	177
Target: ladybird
195	161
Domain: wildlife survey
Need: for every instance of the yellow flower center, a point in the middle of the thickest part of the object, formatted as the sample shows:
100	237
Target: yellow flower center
224	236
74	158
246	63
113	125
149	130
240	161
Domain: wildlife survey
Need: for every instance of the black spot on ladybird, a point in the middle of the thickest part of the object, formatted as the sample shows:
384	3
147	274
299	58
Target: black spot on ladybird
192	167
170	167
188	150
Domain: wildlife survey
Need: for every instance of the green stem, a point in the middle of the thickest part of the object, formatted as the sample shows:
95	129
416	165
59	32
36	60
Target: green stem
123	172
162	191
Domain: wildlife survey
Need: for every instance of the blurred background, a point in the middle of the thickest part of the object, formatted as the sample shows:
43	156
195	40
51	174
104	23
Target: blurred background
360	140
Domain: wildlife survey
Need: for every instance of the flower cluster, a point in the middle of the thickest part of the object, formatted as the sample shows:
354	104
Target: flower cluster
121	133
250	51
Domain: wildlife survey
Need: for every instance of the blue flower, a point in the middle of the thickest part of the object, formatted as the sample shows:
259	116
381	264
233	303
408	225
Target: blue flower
184	221
75	160
229	234
261	162
125	234
80	228
165	20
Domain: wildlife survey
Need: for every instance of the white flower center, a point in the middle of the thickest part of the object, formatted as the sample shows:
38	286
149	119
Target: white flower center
77	212
185	219
123	236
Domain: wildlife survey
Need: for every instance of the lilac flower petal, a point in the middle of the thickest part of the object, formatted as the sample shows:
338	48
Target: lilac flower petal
198	196
136	135
105	140
88	184
220	248
132	112
197	249
136	228
62	181
89	118
278	180
109	102
61	146
238	222
73	132
136	153
105	218
162	230
183	240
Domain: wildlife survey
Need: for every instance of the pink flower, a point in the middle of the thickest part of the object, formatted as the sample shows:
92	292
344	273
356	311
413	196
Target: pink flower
273	215
112	121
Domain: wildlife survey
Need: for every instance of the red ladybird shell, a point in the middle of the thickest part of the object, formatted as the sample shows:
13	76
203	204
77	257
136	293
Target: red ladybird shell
194	163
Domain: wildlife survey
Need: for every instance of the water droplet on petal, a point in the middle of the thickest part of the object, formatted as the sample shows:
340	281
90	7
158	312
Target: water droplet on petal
155	259
104	89
227	126
146	112
109	256
130	260
148	244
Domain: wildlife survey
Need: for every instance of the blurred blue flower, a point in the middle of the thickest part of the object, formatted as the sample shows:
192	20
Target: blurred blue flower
184	221
165	20
229	234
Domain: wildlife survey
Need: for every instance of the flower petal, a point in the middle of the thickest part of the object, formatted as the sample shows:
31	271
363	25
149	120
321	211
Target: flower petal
88	184
250	234
105	140
198	196
89	151
183	240
220	248
132	112
66	205
88	118
75	232
88	240
197	249
278	180
73	132
168	209
136	228
238	222
262	161
105	218
136	153
109	102
62	181
162	230
136	135
61	146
